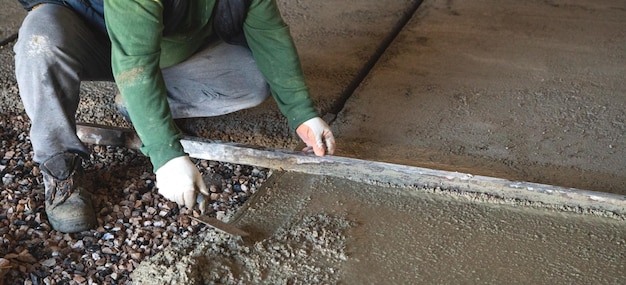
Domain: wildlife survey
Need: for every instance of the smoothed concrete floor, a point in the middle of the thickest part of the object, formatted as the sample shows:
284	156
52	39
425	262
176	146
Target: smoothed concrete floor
522	90
414	236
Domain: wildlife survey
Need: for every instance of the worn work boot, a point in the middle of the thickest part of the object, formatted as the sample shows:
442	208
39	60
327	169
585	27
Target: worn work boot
68	202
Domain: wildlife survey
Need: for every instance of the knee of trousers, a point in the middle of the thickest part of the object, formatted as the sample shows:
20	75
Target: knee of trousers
35	49
44	34
259	94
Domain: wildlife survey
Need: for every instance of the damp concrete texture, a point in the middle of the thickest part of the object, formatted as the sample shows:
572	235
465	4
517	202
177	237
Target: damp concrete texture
11	15
523	90
416	236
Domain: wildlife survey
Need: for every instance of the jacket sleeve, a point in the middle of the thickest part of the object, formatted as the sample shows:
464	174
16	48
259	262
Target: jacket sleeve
135	29
274	51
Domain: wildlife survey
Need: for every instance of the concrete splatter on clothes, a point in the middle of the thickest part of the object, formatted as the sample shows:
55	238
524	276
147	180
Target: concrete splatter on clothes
39	45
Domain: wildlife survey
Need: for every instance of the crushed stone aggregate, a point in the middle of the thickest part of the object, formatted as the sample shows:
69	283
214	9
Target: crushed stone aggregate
134	221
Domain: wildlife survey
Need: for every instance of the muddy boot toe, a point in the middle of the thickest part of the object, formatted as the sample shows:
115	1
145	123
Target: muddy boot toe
68	202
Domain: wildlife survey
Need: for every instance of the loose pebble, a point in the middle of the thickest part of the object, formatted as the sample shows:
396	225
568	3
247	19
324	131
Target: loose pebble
134	221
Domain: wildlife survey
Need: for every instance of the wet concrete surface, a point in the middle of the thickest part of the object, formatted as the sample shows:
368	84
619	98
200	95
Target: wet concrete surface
415	236
527	91
445	76
11	15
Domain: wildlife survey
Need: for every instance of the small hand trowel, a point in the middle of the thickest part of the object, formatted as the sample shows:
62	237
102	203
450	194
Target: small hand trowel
220	226
213	222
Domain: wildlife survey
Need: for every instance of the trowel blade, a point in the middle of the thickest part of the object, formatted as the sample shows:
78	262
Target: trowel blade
220	226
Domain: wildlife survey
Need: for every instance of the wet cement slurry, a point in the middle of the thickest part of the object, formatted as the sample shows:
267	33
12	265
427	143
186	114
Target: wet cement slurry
415	236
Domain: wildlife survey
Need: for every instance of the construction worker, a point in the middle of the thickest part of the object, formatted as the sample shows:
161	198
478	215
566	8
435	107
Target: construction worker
169	59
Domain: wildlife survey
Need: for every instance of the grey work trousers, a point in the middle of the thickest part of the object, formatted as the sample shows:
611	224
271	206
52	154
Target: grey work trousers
56	50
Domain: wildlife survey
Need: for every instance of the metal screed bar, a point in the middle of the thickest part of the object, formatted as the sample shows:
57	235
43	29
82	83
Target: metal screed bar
366	171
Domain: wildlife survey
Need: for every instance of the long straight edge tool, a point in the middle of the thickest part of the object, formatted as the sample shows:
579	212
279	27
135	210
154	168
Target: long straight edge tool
372	172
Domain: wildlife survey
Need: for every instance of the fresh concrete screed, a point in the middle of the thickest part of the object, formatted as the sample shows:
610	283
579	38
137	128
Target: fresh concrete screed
525	91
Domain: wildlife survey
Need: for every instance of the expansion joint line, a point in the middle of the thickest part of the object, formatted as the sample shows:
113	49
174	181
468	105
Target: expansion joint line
369	65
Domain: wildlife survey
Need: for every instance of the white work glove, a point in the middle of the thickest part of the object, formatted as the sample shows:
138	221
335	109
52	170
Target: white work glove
316	134
179	180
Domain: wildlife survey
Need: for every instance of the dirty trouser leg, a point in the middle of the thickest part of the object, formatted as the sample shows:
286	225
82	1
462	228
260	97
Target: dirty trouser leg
54	52
218	80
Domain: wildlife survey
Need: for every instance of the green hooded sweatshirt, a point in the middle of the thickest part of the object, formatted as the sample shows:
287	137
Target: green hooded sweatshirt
140	50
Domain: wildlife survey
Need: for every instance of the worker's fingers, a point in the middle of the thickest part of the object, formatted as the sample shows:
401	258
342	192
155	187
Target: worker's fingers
327	147
329	140
316	134
189	198
325	144
318	147
179	180
202	187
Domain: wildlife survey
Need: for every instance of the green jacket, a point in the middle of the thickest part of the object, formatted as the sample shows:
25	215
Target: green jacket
140	50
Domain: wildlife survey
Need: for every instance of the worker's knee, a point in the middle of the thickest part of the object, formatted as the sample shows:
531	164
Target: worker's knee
257	93
43	31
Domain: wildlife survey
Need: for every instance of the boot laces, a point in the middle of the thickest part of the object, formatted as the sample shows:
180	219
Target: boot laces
59	188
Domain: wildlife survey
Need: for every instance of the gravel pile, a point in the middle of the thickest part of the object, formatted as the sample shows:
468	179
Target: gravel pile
135	222
311	250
